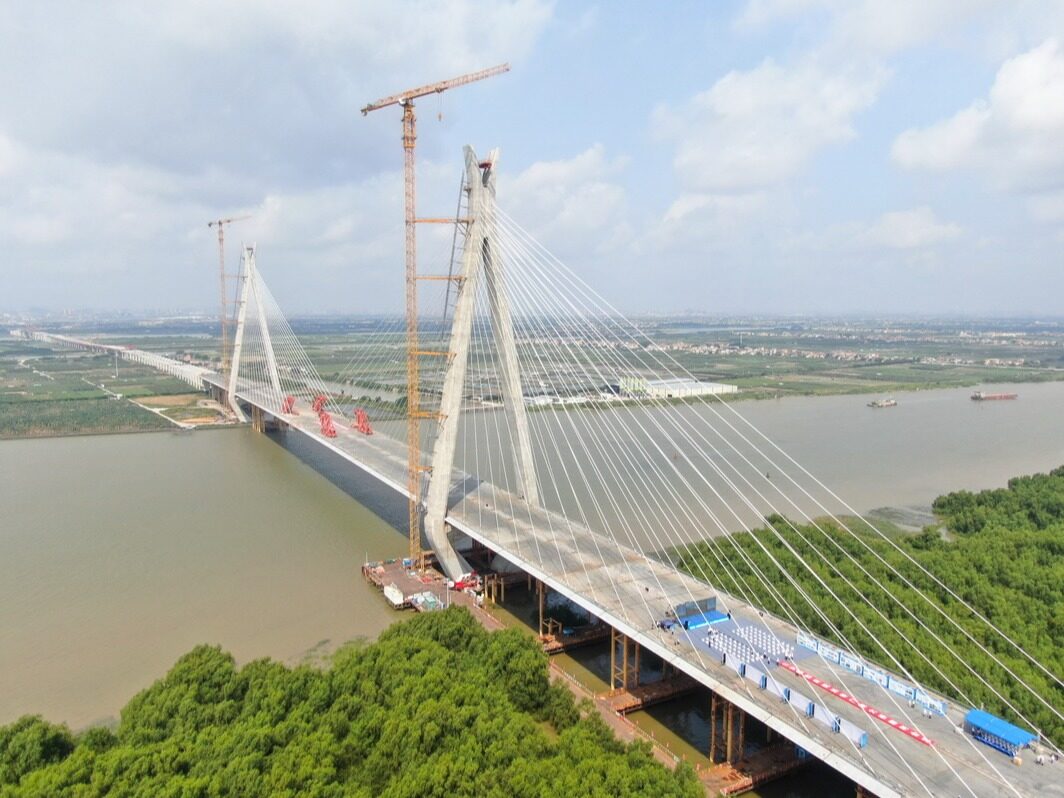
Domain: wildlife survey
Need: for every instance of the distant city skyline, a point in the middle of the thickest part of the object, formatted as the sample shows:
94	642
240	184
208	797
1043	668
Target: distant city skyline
776	157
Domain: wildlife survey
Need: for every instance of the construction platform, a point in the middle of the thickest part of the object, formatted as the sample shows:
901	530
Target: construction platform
403	587
583	636
768	764
633	699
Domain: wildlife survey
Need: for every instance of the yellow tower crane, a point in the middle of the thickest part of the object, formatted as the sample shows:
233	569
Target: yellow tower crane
220	224
414	413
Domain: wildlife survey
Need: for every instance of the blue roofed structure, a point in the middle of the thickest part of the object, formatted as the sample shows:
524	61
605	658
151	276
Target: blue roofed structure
998	733
696	614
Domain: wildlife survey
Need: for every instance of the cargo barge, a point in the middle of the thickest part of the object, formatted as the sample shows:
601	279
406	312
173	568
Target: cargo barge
981	396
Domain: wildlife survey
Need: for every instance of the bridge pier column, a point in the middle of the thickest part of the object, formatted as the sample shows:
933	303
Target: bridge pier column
638	648
613	659
495	589
713	729
729	728
741	747
258	419
541	592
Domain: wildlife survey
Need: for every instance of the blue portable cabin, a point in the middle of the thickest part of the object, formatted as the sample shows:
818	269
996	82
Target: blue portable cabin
997	733
696	614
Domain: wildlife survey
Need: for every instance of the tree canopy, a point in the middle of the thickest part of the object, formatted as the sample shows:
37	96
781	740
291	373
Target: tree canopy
436	707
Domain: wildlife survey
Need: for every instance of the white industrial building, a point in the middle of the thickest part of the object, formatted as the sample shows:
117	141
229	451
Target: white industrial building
673	388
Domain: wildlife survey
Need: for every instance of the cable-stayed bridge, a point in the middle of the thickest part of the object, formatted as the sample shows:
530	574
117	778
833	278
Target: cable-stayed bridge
537	453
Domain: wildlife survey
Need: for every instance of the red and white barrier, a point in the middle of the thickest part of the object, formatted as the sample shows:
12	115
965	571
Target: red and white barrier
916	734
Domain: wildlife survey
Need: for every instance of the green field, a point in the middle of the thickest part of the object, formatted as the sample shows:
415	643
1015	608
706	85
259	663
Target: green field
75	417
768	377
45	391
366	360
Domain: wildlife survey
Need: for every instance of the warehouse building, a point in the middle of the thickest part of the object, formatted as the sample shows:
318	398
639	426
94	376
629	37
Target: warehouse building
673	388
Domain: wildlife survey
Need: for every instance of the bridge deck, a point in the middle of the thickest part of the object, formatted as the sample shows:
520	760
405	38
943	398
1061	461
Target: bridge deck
633	592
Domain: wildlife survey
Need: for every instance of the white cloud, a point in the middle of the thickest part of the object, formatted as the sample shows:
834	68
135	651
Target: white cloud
64	217
1014	135
570	204
165	116
8	156
272	89
698	206
1048	207
456	35
945	145
35	228
758	128
912	229
868	27
873	25
759	13
583	24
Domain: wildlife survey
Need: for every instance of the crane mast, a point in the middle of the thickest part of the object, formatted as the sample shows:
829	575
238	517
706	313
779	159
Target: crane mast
224	317
413	391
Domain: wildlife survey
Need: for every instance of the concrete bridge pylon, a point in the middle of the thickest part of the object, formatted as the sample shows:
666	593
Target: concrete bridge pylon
481	260
251	292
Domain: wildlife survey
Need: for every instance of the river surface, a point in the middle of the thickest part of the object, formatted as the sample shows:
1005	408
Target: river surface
119	553
607	466
933	442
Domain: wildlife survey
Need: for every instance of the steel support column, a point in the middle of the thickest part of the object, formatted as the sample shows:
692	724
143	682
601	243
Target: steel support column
624	669
618	665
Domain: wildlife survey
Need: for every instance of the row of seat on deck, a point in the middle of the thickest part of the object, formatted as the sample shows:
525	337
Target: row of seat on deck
766	641
733	648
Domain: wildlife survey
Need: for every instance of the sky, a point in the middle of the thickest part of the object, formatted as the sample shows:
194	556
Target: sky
768	156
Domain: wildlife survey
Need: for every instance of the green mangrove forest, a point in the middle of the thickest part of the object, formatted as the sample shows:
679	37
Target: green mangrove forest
436	708
996	553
